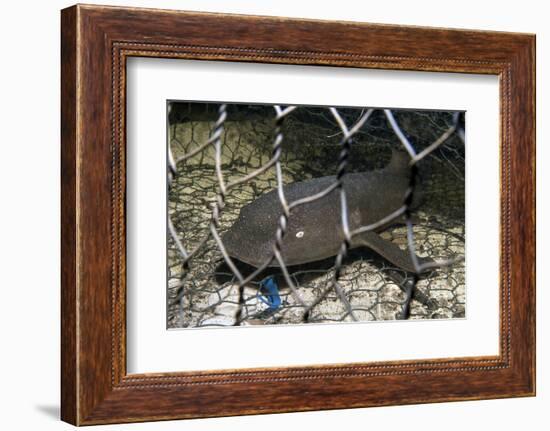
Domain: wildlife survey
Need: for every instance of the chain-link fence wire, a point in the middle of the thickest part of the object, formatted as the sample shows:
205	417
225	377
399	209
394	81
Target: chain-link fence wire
223	157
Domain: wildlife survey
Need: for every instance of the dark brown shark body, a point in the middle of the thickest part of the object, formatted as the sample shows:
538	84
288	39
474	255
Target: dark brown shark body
314	230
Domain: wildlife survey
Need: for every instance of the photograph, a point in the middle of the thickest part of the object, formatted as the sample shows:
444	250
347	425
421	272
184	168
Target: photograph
275	215
287	215
283	206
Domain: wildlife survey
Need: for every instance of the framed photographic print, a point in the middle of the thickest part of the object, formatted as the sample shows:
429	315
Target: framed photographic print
329	214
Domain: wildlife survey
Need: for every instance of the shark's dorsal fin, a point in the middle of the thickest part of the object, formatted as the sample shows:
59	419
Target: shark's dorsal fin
399	163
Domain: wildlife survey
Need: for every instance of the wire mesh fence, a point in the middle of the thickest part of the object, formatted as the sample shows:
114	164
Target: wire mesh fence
224	159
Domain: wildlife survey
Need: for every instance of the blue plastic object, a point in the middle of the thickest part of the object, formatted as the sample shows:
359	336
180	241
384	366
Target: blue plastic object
268	293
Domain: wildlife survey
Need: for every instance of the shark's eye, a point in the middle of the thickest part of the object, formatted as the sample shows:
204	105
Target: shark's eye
300	234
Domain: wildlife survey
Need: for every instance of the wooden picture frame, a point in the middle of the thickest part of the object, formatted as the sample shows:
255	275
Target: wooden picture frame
95	43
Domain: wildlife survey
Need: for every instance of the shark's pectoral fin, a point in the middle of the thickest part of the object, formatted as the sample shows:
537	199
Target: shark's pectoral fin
390	251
